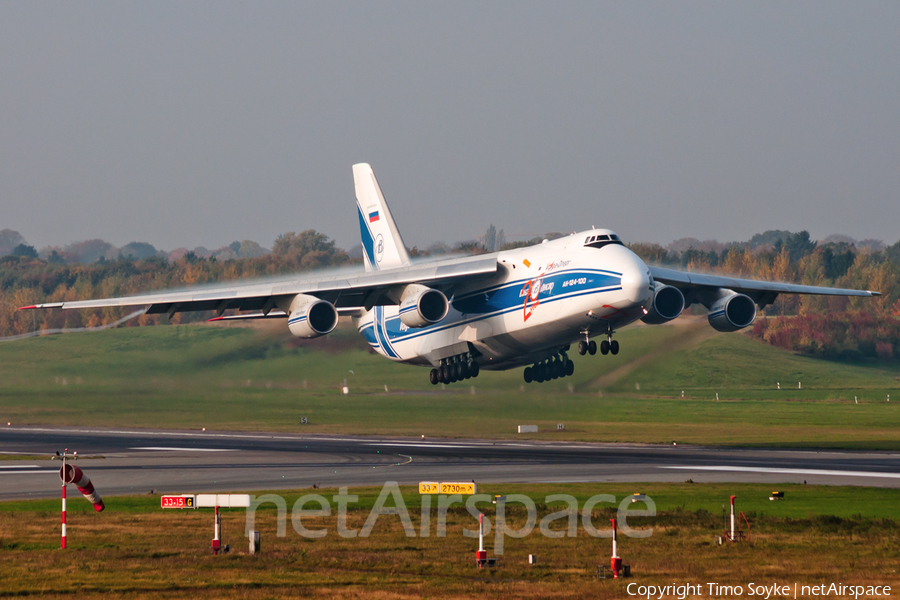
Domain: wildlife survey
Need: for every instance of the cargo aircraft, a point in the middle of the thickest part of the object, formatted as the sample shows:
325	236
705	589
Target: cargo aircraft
514	308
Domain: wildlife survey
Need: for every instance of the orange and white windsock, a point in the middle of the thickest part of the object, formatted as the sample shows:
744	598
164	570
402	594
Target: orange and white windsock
75	475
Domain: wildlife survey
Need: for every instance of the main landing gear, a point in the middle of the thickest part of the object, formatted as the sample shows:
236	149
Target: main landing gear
552	368
607	346
456	368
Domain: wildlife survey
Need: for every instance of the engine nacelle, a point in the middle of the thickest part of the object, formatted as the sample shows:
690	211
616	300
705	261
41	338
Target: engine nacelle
310	317
732	312
421	306
668	303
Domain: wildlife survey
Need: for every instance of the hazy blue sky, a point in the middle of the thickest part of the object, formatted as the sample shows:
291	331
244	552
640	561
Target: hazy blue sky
191	123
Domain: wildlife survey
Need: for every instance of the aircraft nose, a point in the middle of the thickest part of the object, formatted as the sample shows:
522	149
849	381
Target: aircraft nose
636	282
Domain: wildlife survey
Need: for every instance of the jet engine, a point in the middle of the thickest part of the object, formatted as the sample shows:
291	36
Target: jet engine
732	312
310	317
421	306
668	302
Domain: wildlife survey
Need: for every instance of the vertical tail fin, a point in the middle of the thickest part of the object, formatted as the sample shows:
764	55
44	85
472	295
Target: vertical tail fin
383	248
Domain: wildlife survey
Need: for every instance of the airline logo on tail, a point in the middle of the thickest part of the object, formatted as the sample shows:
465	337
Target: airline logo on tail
383	248
379	248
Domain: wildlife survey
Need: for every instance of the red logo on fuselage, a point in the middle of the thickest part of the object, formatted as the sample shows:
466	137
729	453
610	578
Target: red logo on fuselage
531	291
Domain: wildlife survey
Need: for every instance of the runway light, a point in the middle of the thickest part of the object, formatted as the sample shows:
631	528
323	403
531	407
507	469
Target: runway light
204	429
423	436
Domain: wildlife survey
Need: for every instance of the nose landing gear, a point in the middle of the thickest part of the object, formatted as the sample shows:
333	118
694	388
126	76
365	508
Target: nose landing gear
607	346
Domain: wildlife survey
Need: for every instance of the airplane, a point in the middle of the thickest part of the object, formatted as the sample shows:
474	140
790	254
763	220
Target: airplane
509	309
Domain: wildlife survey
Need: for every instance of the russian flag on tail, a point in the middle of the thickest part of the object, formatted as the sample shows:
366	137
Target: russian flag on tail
373	216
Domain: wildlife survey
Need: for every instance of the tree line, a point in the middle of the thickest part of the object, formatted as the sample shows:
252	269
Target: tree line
48	276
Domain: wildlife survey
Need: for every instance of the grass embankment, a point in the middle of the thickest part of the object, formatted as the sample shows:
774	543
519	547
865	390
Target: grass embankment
231	378
135	549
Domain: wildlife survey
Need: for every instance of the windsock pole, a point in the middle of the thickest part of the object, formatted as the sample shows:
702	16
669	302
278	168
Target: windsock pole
63	515
72	474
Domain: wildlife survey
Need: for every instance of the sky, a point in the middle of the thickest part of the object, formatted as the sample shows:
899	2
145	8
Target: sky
188	124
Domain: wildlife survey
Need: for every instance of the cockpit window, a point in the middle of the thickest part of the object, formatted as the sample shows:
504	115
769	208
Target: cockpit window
598	241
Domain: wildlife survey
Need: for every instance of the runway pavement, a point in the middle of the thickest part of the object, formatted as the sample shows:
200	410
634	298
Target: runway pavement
124	461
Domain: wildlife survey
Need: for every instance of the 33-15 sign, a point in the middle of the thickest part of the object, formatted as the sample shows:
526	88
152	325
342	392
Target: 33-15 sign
184	501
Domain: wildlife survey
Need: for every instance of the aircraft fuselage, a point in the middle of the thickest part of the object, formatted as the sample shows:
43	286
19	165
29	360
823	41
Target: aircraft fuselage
542	299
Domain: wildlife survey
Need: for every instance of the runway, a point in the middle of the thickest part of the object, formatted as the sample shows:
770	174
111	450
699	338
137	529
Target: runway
125	461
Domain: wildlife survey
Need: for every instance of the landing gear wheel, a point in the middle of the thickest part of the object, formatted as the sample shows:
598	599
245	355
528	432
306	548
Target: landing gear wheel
527	375
473	369
559	369
604	347
570	367
434	377
614	347
445	374
582	347
458	372
465	371
592	347
537	372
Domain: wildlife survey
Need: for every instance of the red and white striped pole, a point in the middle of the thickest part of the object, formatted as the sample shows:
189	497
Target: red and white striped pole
64	515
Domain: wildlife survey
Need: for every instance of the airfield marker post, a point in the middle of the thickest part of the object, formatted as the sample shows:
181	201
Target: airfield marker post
481	555
732	517
615	562
216	542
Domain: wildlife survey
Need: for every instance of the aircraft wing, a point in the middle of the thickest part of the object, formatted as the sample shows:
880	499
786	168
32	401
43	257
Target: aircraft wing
762	292
345	291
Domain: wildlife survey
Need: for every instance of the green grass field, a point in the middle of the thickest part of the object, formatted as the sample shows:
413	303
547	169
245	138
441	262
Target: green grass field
238	379
134	549
801	501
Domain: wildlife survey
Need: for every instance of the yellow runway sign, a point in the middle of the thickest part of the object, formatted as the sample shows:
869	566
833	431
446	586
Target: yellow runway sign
447	487
457	488
429	487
